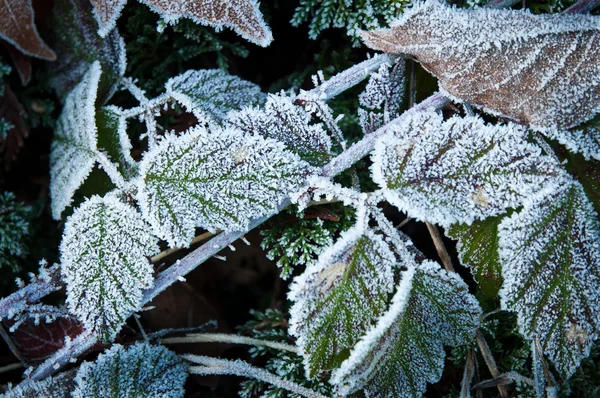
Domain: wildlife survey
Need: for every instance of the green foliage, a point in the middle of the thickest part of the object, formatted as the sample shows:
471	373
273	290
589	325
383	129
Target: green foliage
271	325
14	230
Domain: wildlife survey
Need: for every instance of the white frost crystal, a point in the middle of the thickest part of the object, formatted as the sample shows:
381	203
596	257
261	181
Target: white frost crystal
460	169
217	179
104	262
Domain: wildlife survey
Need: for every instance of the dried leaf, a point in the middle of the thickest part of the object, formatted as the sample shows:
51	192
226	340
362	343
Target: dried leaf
18	28
543	70
243	16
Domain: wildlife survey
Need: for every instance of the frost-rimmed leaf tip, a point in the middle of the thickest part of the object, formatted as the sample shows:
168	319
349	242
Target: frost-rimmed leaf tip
217	179
104	263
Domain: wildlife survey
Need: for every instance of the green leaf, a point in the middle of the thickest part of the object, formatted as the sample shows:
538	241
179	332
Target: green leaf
210	93
478	249
405	349
78	46
340	297
140	371
217	179
104	262
550	256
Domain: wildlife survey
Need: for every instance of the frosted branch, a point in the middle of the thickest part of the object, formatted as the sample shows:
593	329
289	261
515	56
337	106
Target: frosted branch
583	7
215	366
228	338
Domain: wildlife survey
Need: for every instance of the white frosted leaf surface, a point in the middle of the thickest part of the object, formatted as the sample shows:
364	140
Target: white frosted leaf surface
385	93
584	140
139	371
283	121
404	351
211	93
550	256
74	148
217	179
340	296
461	169
114	140
543	70
243	16
104	262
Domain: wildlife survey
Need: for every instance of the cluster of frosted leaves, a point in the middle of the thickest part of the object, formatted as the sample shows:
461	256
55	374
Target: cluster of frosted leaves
18	28
243	16
286	122
550	256
78	46
139	371
217	179
74	147
114	140
404	351
211	93
460	169
543	70
104	263
339	297
384	92
477	248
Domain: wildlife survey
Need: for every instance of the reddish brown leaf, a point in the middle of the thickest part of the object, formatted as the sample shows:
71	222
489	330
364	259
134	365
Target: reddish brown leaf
17	28
12	112
243	16
22	63
542	70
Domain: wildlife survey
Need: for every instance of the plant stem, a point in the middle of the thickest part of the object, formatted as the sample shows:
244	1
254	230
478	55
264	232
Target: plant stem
168	252
228	338
467	375
440	247
583	7
489	361
12	366
216	366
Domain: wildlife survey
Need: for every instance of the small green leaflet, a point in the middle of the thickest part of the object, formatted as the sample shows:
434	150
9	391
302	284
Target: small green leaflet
217	179
550	256
478	249
405	349
73	152
340	296
461	169
210	93
140	371
104	264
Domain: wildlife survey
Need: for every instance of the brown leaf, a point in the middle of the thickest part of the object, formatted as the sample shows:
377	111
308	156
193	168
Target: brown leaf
22	63
542	70
12	112
243	16
17	28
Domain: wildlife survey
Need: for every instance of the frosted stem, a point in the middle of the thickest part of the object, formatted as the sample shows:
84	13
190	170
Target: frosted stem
228	338
154	103
168	252
111	170
215	366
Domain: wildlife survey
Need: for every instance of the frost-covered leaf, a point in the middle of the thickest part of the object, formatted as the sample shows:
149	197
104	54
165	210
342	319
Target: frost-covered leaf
288	123
461	169
404	351
543	70
550	256
18	28
140	371
243	16
103	256
217	179
113	139
211	93
78	46
338	298
478	249
384	92
74	148
51	387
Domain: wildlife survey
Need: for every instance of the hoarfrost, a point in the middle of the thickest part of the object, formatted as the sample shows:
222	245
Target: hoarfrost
405	349
217	179
461	169
550	256
103	256
543	70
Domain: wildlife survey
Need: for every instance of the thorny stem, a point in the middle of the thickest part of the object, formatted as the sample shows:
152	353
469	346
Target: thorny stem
229	338
489	361
216	366
168	252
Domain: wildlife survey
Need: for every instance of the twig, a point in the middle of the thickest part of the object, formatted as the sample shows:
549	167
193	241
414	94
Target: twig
501	3
583	7
11	346
229	338
439	246
489	361
504	379
168	252
215	366
467	375
12	366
